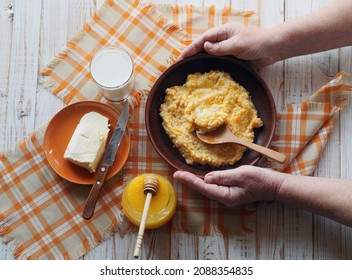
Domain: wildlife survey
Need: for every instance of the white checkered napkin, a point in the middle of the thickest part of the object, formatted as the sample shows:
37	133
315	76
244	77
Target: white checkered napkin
135	26
304	129
196	20
40	212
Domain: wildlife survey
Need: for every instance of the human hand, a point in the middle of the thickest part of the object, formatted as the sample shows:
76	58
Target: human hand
246	43
237	186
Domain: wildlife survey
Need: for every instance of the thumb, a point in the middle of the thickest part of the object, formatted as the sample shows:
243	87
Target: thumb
224	177
219	48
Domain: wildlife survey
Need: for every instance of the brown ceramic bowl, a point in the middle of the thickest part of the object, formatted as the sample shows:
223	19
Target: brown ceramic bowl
176	75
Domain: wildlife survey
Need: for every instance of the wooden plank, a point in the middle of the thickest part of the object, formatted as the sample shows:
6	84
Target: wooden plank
55	16
181	244
19	24
64	19
80	12
157	245
243	246
270	231
23	71
270	236
327	233
346	150
124	245
250	245
113	248
213	247
297	230
6	26
339	245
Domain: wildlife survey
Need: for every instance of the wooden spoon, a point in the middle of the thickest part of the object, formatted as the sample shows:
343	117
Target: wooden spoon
224	135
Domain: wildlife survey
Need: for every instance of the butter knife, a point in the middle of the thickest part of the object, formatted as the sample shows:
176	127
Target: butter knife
106	163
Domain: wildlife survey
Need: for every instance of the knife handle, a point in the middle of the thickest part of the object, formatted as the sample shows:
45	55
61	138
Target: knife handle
88	210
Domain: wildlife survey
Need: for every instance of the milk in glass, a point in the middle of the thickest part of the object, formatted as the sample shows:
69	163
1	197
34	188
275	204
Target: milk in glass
112	69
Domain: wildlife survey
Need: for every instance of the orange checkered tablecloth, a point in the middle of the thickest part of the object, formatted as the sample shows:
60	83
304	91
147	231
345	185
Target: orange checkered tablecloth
303	129
40	213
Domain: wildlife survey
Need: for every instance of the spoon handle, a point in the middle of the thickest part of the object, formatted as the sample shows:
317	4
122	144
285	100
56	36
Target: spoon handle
263	151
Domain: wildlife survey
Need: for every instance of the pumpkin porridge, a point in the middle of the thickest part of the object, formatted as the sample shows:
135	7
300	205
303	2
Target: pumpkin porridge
205	102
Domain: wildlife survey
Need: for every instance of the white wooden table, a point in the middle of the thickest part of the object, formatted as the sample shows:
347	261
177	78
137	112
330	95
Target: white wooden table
32	32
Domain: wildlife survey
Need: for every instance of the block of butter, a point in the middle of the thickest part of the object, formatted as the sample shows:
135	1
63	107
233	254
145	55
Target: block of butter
88	142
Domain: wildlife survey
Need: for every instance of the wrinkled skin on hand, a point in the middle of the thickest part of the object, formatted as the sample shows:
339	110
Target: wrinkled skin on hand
237	186
246	43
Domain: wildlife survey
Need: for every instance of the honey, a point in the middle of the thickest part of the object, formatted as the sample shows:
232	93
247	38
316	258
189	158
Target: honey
162	206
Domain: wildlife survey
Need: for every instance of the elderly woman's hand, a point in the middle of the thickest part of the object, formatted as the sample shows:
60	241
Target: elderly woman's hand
237	186
247	43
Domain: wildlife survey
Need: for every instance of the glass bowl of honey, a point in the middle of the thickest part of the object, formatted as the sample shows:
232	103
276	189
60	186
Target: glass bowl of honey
162	205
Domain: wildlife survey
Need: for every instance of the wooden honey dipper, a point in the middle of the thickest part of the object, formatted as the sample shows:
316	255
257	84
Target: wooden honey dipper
151	186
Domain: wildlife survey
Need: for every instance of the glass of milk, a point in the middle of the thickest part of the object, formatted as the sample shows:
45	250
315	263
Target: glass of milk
112	69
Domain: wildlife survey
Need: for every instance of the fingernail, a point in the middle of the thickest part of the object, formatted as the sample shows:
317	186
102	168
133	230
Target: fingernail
208	178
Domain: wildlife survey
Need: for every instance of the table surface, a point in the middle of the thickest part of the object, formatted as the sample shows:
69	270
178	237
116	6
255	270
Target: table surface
39	30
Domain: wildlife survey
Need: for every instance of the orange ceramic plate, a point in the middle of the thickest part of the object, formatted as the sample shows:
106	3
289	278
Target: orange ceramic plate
59	132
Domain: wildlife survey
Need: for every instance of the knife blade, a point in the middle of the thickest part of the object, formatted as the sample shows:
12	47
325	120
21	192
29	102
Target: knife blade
106	163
